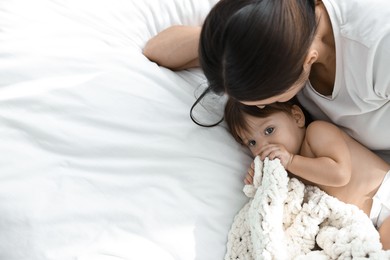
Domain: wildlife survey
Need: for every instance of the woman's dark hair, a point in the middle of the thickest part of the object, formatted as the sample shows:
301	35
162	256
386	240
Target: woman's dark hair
211	49
235	114
255	49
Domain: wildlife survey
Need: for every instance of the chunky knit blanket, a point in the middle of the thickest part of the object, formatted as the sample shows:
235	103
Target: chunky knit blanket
284	219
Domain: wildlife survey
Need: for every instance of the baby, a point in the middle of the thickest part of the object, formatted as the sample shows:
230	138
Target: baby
318	153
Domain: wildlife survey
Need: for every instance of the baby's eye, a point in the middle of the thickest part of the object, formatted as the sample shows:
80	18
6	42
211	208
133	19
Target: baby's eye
251	143
269	130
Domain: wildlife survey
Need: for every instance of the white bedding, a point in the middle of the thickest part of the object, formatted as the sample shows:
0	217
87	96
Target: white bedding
98	156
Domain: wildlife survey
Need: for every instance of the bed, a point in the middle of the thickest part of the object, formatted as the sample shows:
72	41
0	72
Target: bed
99	157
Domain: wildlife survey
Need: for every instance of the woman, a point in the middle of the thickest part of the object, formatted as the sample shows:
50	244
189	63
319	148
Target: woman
334	54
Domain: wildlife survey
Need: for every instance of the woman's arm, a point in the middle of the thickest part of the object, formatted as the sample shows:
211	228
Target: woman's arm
175	48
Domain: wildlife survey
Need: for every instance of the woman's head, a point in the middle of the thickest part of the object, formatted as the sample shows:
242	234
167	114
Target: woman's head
255	49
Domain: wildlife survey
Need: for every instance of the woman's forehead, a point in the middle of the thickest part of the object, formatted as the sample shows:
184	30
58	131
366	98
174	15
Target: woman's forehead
260	103
283	97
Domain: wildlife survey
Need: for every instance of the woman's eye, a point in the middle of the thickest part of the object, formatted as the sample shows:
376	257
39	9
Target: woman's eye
251	143
269	130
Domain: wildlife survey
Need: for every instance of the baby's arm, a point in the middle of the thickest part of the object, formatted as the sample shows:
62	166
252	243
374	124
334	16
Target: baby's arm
325	158
175	47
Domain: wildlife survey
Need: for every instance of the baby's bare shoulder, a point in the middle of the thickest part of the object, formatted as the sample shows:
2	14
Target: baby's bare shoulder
322	126
322	131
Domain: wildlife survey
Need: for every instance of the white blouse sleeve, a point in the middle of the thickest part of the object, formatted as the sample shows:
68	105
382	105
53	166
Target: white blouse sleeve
381	68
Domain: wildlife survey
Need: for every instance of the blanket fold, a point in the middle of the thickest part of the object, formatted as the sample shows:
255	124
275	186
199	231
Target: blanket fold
285	219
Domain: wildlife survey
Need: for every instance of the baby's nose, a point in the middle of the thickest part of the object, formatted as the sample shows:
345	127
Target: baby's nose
260	145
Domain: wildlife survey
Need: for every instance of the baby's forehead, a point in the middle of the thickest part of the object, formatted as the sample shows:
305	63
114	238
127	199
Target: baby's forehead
247	130
252	123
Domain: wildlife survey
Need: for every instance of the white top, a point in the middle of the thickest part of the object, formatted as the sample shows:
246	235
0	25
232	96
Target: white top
360	99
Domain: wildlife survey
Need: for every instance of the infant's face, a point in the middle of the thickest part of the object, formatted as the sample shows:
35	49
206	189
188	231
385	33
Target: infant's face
278	128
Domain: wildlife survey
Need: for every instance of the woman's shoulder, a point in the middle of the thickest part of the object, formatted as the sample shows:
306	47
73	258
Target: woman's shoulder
354	19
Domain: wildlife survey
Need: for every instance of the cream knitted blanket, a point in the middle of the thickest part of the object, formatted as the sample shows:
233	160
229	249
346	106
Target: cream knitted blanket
284	219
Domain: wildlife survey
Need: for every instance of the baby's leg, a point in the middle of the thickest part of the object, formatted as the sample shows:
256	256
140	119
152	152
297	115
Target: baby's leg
384	232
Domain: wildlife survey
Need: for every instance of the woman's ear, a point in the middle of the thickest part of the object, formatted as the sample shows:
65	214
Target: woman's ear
311	57
298	115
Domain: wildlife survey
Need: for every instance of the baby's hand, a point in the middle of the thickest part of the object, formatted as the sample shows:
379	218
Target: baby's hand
250	174
273	151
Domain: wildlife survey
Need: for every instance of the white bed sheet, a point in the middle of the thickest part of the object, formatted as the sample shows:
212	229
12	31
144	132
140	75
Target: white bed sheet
99	158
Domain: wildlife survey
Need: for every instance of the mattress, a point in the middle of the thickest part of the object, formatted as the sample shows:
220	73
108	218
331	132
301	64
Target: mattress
99	157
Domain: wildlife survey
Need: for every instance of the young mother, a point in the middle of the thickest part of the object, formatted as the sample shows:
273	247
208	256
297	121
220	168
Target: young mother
334	55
